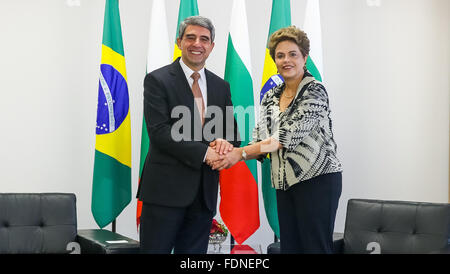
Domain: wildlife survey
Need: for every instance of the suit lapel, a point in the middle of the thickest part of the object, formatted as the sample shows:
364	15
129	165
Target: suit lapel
181	84
183	91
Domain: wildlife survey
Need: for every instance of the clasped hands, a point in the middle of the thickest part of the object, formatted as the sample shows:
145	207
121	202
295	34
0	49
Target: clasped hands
222	155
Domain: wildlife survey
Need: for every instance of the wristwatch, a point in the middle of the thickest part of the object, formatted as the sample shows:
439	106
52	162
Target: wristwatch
244	154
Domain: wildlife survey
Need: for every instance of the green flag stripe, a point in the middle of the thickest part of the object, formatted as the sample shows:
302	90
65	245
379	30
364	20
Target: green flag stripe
112	33
269	197
241	86
187	8
242	96
109	195
313	69
280	16
145	144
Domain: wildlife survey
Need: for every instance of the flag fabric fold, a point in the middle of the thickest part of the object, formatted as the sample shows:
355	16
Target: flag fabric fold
187	8
280	18
312	28
239	207
158	55
111	187
156	58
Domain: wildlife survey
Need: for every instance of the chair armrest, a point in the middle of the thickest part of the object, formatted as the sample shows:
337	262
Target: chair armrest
97	241
338	242
445	250
274	248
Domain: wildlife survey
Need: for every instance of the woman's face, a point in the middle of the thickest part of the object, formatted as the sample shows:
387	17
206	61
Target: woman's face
289	60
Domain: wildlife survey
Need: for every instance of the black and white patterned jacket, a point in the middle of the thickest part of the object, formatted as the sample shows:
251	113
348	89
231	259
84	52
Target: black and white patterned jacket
304	129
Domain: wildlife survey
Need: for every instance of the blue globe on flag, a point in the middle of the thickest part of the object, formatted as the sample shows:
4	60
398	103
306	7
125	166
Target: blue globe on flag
113	103
274	80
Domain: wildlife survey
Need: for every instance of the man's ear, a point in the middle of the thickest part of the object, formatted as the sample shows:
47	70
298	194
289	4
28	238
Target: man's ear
179	43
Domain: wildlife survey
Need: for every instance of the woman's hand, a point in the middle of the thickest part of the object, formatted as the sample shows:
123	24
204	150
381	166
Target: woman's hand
221	146
228	160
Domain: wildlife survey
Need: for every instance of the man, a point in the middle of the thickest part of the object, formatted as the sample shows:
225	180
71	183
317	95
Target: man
178	187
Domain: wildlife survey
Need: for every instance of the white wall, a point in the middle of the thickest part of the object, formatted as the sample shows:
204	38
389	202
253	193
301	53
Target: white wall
386	68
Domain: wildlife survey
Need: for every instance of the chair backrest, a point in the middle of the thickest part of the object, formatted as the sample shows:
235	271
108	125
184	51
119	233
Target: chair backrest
395	226
37	222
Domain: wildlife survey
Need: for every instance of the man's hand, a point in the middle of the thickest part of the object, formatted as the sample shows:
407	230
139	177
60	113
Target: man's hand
211	156
228	160
221	146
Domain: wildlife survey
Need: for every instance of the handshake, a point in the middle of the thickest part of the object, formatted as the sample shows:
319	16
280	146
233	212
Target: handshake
221	154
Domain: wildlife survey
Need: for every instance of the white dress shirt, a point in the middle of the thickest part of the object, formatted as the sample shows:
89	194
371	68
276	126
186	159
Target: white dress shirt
201	82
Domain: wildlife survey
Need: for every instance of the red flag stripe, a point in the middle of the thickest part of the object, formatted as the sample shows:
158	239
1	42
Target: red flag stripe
238	187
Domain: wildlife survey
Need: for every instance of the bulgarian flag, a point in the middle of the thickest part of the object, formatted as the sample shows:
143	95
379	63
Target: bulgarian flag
111	187
280	18
238	185
158	55
187	8
313	29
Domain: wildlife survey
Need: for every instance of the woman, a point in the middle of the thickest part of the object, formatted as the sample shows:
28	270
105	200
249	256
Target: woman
295	129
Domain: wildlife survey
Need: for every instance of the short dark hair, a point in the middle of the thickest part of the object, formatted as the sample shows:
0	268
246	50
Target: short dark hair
291	33
197	21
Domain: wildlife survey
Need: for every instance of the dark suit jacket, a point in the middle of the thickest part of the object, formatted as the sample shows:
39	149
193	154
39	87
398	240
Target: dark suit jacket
174	169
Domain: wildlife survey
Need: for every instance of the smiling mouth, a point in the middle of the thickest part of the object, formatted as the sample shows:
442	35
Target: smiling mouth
196	52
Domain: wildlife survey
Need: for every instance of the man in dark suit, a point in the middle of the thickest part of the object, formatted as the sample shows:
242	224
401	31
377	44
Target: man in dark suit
178	187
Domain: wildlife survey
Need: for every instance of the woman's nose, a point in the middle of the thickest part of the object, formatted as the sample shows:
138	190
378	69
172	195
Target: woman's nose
285	58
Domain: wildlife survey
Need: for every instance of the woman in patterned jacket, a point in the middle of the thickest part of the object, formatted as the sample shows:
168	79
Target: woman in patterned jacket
295	130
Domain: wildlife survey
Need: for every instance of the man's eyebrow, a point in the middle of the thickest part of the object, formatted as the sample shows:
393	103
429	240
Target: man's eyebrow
192	35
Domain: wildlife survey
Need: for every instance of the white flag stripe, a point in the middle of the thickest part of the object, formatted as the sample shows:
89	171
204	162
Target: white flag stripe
158	41
239	33
313	30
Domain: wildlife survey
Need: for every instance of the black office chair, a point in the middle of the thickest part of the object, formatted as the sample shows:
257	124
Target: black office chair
383	227
47	223
399	227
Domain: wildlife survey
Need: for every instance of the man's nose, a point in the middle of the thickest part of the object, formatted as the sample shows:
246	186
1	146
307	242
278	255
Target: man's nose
197	42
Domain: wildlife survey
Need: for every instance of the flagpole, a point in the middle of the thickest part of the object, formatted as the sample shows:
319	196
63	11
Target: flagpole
114	226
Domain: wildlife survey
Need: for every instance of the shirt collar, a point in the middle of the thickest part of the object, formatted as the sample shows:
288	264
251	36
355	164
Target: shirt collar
188	71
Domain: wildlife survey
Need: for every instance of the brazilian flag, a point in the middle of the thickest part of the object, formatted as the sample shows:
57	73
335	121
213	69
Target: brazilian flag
280	18
111	188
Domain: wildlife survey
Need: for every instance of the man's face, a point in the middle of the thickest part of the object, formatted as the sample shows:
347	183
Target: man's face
195	46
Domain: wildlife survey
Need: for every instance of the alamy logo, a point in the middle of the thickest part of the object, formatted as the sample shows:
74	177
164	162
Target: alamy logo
219	123
74	248
374	247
